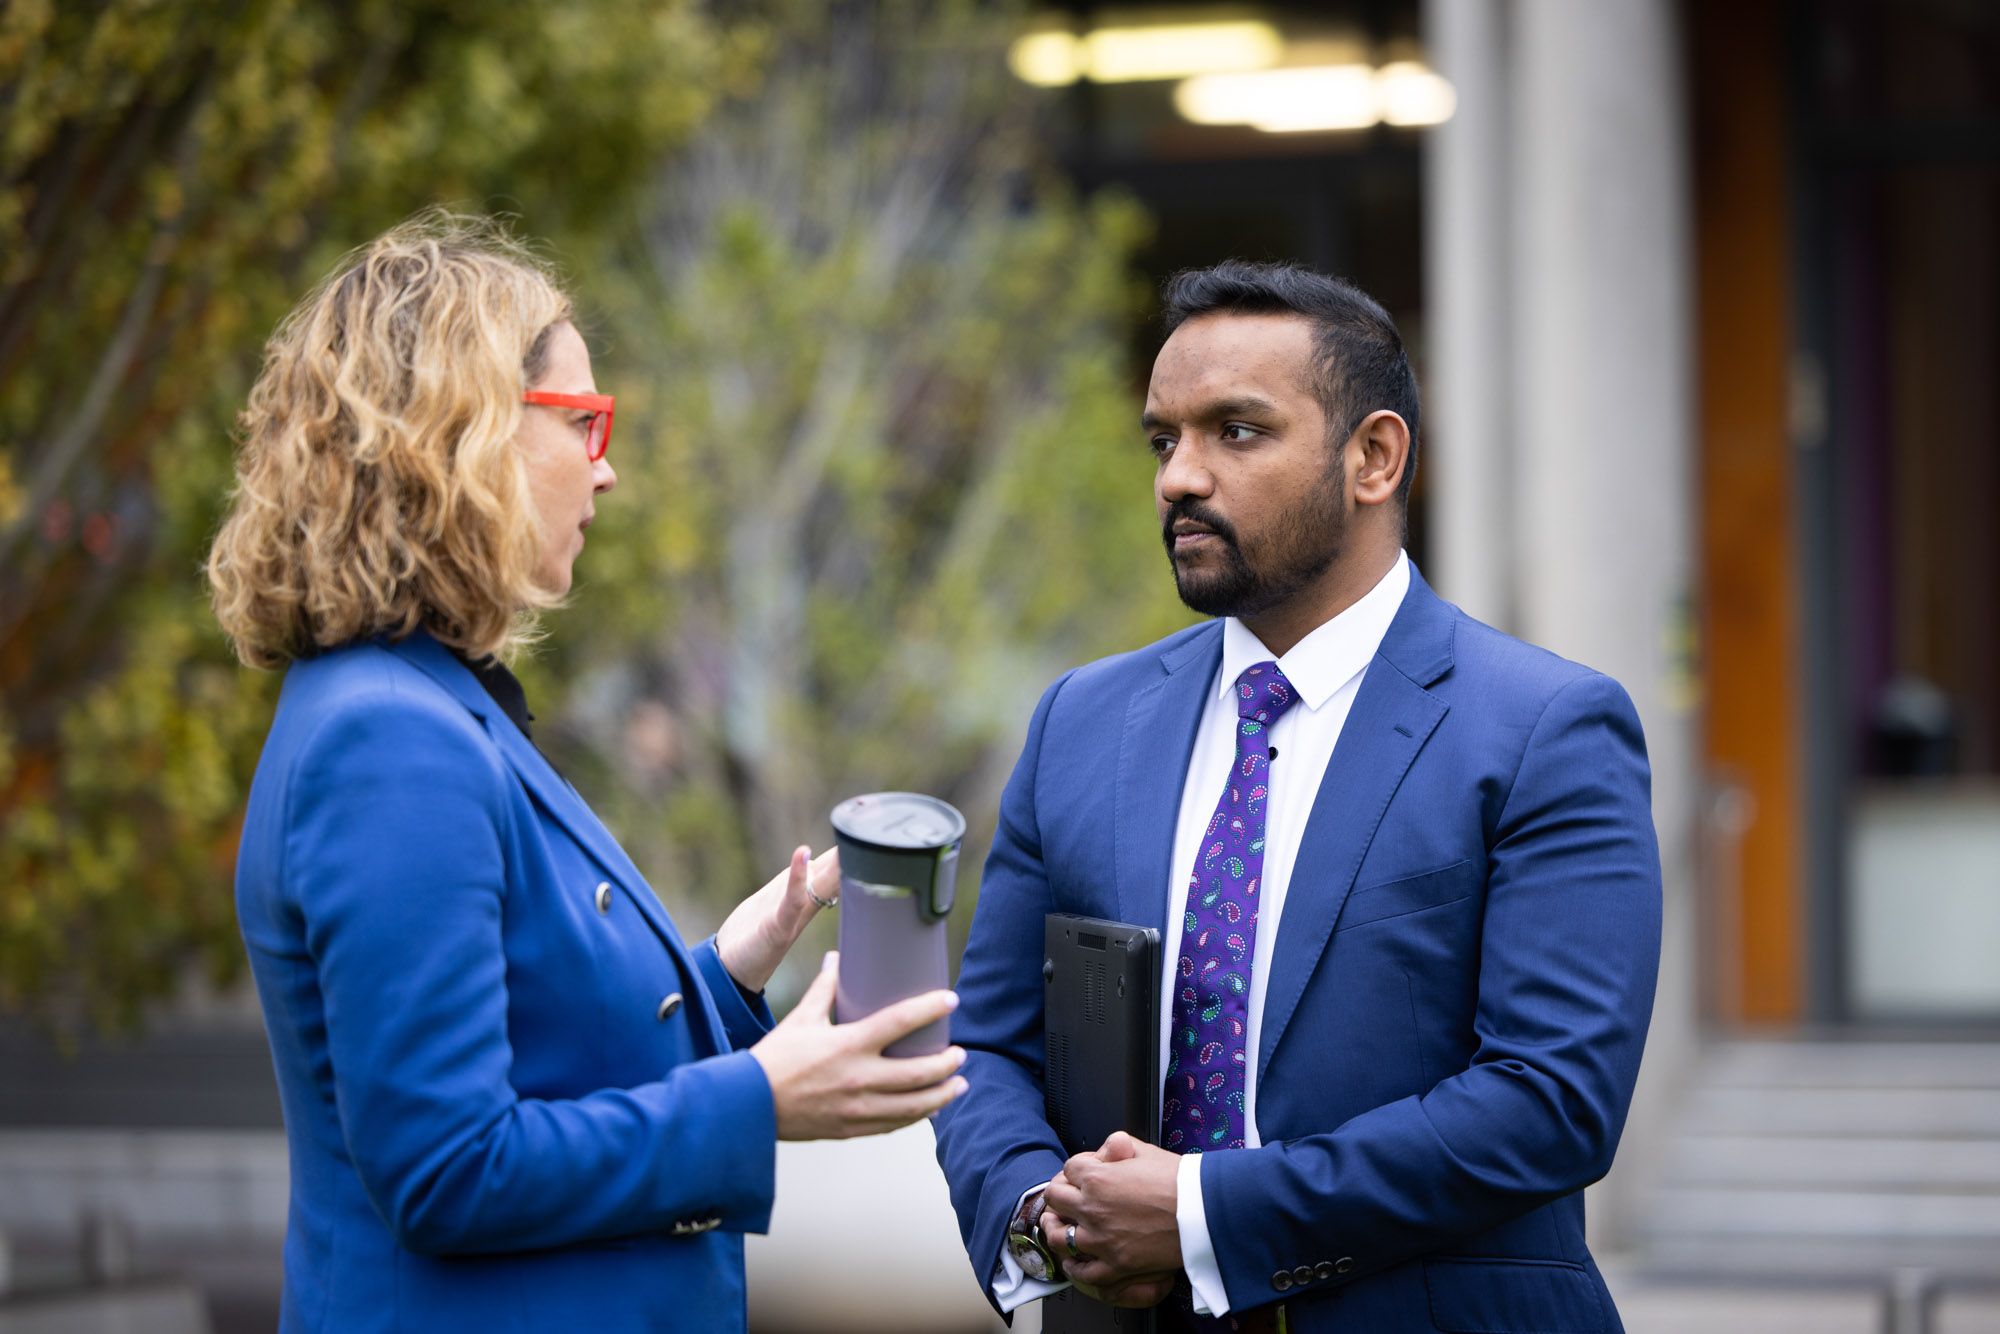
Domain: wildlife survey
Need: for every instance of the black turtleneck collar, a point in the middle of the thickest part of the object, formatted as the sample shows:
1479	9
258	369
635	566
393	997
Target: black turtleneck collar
504	687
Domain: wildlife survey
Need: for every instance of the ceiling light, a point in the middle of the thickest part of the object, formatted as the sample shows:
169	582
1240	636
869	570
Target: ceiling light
1311	97
1046	59
1318	97
1153	51
1176	50
1410	94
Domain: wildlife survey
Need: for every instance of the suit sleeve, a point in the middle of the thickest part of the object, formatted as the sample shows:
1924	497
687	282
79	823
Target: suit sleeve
1569	955
394	858
746	1015
995	1143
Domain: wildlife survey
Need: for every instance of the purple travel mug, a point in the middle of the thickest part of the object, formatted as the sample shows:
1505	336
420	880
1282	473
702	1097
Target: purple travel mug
898	875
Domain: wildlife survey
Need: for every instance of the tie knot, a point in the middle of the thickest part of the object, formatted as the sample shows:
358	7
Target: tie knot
1263	694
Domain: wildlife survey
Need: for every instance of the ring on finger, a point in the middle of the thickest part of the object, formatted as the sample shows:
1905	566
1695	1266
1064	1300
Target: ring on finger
1069	1241
824	903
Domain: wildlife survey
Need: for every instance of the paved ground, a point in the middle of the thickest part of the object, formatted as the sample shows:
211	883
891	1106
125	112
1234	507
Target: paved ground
804	1276
1650	1308
1657	1306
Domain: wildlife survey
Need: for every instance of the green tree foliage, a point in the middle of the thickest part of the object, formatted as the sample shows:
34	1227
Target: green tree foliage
172	174
883	478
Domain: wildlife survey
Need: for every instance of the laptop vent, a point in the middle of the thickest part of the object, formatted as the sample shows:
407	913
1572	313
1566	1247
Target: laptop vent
1094	1011
1056	1080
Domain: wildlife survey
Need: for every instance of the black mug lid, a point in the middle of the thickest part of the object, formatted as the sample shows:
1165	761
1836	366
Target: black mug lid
899	822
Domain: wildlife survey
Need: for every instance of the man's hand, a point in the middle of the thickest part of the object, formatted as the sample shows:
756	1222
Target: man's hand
1121	1201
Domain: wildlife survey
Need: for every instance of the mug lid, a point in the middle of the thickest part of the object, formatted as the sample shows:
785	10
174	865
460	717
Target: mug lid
899	821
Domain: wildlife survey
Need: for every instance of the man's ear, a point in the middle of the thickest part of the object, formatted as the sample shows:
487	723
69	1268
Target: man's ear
1380	447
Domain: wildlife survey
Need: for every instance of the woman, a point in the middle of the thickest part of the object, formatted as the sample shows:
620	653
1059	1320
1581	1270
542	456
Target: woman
515	1098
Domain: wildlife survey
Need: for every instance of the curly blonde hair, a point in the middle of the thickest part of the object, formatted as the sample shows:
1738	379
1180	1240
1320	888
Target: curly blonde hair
378	489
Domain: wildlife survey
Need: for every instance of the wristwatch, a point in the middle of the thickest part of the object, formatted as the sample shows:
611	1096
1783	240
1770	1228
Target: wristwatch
1028	1246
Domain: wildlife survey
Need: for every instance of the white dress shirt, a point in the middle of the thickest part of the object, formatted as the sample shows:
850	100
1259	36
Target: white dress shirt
1325	669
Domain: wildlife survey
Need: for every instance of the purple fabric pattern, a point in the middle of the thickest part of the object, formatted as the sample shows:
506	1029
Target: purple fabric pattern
1202	1098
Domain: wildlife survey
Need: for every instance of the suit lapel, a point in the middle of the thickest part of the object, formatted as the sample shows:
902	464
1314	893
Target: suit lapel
1153	754
1393	716
555	796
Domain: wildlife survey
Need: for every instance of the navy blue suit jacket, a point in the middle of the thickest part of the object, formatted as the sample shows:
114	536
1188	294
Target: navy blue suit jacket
1459	994
493	1125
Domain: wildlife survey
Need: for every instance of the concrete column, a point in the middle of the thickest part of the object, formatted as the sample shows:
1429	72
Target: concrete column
1561	299
1468	425
1601	308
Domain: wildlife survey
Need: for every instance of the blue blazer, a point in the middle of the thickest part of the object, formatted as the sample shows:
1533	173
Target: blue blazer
1459	993
499	1116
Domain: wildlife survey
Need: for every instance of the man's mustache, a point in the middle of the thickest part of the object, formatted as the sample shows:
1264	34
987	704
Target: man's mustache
1187	509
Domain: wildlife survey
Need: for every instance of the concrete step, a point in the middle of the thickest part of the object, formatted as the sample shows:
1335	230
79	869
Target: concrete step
1840	1160
1776	1064
229	1182
1826	1162
1723	1212
1707	1301
154	1308
1860	1112
1969	1265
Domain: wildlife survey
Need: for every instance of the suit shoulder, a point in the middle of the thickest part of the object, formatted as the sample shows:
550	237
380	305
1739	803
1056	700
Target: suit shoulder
365	676
1122	671
365	698
1498	663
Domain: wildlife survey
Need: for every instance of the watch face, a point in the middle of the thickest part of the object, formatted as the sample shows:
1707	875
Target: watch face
1034	1261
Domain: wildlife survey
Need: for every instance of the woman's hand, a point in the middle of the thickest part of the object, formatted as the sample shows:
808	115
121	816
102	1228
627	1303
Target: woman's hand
753	941
831	1081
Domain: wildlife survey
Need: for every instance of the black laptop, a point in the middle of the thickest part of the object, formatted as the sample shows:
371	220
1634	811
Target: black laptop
1101	1002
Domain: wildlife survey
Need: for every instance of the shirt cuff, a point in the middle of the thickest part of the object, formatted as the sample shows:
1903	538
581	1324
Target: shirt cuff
1011	1285
1197	1251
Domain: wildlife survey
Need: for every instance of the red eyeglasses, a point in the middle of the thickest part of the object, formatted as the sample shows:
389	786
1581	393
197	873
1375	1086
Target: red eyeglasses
600	406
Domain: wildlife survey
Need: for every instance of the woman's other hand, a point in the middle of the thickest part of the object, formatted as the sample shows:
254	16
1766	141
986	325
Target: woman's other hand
831	1081
753	941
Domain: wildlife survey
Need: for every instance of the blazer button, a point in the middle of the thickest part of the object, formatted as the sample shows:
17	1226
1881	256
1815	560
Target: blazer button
1302	1275
1282	1280
1343	1264
669	1004
603	896
1324	1270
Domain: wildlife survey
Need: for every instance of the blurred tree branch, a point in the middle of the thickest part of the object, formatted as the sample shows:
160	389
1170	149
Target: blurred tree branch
882	483
880	477
172	174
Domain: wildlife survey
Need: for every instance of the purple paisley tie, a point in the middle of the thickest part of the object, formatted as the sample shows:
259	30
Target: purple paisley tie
1202	1097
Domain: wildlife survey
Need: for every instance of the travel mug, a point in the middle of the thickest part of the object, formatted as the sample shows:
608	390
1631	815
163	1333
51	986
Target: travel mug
898	876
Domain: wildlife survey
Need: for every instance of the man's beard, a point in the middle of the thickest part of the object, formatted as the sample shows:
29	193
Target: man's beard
1303	542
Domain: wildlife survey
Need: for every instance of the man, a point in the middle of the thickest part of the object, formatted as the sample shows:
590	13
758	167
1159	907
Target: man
1403	866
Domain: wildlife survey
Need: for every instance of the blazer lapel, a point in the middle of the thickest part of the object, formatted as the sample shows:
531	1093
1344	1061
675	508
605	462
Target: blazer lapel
555	796
1153	755
1393	716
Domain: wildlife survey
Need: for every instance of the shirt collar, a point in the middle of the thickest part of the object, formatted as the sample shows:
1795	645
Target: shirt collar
1334	653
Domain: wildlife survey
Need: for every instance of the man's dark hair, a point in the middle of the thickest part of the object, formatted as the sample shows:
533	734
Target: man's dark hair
1361	365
